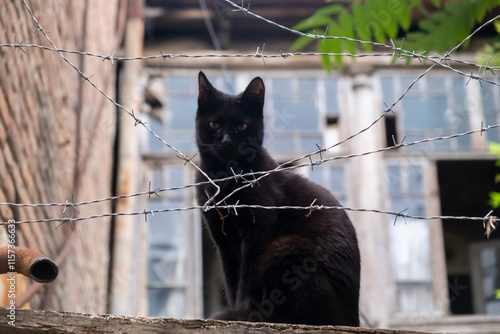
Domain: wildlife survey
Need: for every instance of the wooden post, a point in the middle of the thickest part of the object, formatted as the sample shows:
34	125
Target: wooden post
128	274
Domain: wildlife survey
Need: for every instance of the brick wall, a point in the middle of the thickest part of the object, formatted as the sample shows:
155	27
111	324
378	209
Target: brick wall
56	141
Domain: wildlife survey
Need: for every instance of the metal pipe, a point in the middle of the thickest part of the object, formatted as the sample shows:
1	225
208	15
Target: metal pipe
30	263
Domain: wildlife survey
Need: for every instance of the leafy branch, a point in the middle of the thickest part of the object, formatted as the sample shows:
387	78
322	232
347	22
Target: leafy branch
379	21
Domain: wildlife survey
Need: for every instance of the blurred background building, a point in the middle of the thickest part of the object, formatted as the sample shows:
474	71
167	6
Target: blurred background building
441	275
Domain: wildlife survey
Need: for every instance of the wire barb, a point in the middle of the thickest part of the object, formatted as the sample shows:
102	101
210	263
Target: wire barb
489	224
402	213
221	216
252	178
151	192
19	46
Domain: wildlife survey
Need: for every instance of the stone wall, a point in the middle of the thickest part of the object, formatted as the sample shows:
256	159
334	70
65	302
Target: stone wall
56	142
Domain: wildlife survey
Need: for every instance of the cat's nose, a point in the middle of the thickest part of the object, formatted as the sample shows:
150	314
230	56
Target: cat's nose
226	140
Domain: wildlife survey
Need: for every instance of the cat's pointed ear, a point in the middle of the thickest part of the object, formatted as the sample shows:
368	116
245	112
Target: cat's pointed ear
206	92
254	93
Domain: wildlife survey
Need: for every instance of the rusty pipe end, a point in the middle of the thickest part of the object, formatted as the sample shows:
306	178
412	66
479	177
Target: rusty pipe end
43	270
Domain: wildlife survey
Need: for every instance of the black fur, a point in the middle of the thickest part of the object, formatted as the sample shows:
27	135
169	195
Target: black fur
291	266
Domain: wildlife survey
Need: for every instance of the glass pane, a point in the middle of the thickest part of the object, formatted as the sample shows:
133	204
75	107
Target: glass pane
435	85
488	258
175	175
423	114
284	144
307	85
337	180
168	228
167	303
184	142
308	144
488	286
301	115
387	91
491	118
227	84
415	179
488	97
462	125
179	84
332	108
281	85
441	145
410	250
164	265
182	113
414	206
156	182
394	176
406	81
316	175
155	145
458	84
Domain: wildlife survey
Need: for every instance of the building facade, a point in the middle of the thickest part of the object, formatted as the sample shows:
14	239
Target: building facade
417	273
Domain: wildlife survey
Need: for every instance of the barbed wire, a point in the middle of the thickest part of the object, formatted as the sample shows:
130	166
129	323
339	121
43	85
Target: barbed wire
244	176
284	55
312	207
119	106
249	179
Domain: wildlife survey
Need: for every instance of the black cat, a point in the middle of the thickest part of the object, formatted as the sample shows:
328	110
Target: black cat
292	266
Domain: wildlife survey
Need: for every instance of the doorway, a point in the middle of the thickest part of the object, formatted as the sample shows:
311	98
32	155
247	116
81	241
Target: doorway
464	191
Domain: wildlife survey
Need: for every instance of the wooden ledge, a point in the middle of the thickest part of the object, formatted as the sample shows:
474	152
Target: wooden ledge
33	321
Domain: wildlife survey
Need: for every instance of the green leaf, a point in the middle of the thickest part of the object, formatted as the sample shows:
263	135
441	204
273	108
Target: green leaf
346	30
301	43
496	24
482	7
402	12
335	45
382	18
361	26
494	201
443	30
325	60
495	149
313	22
331	45
490	54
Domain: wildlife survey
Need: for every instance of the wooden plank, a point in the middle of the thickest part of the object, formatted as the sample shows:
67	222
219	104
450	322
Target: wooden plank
33	321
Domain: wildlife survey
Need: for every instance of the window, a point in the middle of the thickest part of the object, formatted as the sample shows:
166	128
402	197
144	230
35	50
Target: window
332	178
490	98
297	109
435	106
485	258
410	240
174	280
296	112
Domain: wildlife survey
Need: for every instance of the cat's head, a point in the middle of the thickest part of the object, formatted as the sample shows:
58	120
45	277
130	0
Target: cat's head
230	127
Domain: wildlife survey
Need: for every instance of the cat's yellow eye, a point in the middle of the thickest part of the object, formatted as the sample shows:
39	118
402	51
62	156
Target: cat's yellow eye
242	127
214	125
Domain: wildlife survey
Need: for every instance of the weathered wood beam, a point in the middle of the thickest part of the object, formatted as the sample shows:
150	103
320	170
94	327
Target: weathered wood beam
33	321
